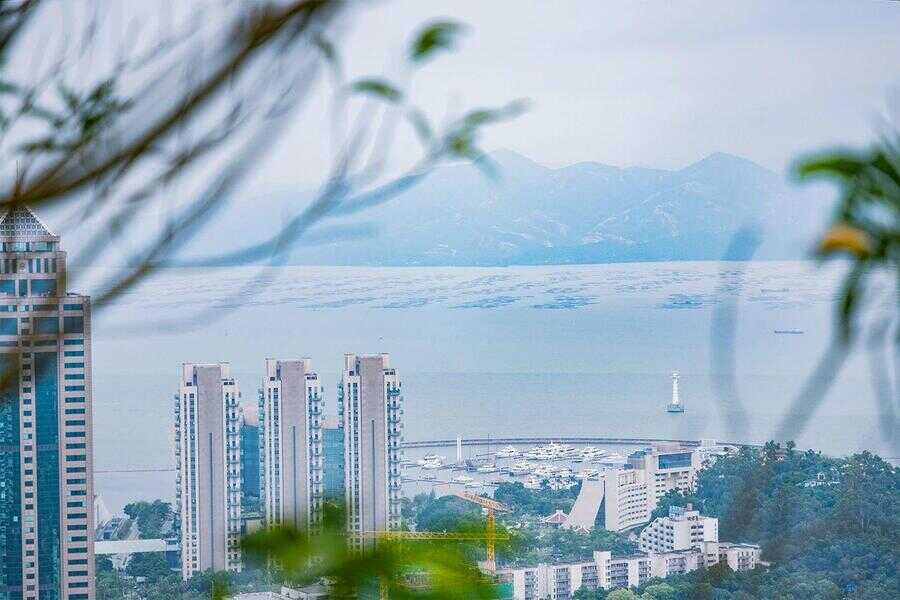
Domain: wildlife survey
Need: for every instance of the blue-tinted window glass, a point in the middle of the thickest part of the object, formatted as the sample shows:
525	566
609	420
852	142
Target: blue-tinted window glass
675	461
46	396
333	442
46	325
23	287
73	324
9	327
8	287
10	514
43	287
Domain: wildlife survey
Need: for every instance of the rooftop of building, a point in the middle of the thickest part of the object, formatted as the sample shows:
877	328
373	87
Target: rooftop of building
19	223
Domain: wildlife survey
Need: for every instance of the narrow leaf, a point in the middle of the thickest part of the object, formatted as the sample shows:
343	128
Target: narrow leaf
439	35
380	88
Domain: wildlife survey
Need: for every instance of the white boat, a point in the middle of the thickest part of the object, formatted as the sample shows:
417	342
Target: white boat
427	476
508	452
433	457
487	469
433	465
521	468
462	479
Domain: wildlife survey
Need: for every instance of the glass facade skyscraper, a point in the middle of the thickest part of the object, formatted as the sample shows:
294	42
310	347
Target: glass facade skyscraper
333	448
46	446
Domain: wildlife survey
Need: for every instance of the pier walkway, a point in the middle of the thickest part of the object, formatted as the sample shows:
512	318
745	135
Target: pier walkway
512	441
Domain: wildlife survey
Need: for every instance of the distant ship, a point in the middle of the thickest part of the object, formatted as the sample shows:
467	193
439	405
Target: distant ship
675	405
792	331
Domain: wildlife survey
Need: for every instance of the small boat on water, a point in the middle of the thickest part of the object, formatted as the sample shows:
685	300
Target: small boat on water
487	469
508	452
789	331
521	468
462	479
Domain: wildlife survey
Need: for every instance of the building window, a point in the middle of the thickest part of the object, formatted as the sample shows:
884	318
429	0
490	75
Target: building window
43	287
46	325
73	324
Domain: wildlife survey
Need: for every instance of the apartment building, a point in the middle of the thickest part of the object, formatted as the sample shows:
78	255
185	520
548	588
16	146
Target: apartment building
208	416
683	529
629	495
605	571
628	498
46	439
667	467
370	409
291	406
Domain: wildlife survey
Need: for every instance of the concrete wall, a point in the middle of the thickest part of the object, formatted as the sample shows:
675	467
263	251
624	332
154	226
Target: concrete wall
372	442
212	521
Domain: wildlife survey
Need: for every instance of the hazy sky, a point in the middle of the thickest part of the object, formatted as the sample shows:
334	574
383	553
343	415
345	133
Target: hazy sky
622	82
641	83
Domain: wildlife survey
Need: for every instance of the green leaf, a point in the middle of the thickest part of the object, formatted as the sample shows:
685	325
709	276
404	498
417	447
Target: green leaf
486	116
380	88
843	164
439	35
421	125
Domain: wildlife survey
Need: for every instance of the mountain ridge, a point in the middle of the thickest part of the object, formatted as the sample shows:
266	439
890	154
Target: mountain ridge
586	212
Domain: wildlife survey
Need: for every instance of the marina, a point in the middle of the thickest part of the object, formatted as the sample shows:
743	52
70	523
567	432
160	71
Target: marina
558	464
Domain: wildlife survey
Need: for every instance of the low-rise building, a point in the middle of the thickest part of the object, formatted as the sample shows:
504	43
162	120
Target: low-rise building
561	581
740	557
683	529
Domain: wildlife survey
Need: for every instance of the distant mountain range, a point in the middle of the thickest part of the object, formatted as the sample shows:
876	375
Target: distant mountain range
582	213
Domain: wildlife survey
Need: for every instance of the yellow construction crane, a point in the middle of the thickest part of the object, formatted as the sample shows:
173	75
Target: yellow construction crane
488	537
490	508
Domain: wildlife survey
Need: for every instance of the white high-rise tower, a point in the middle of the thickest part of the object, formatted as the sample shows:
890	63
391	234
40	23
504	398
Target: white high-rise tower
208	462
370	406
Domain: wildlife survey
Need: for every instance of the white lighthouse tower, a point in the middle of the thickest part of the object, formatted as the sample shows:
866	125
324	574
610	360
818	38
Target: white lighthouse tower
675	405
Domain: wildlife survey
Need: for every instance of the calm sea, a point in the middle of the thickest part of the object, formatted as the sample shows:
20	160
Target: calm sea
551	351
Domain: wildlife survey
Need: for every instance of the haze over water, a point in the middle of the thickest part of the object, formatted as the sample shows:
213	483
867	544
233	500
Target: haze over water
549	351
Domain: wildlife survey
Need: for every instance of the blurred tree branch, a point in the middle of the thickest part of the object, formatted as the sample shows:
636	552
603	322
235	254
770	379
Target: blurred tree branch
116	153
